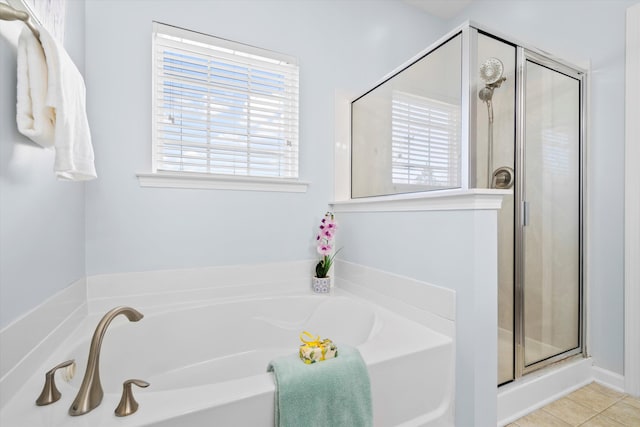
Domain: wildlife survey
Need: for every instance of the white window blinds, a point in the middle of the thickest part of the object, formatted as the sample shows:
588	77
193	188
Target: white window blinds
222	107
425	138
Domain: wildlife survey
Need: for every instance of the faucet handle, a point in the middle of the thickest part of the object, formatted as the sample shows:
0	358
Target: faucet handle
50	392
128	404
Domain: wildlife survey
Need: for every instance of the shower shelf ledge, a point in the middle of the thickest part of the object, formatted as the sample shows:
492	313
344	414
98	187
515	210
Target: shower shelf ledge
440	200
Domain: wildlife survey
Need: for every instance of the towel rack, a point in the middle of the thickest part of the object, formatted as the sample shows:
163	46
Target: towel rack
7	13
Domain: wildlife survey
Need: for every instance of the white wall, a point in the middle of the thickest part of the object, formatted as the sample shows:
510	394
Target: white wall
340	45
41	220
579	31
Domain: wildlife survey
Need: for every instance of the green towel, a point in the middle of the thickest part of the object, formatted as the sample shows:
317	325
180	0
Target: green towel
332	393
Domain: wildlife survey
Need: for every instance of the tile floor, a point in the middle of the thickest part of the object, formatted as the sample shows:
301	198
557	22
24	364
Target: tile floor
590	406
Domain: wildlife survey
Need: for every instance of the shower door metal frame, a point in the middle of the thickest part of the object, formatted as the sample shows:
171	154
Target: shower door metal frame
524	55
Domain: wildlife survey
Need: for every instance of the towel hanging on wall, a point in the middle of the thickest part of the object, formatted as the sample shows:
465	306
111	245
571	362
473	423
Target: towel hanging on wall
35	119
51	105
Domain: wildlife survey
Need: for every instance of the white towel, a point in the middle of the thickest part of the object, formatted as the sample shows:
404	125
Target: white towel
55	116
35	119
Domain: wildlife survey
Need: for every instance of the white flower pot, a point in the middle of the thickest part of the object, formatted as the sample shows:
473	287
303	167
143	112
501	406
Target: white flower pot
321	285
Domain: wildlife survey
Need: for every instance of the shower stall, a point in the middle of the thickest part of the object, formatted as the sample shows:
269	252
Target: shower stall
534	126
481	111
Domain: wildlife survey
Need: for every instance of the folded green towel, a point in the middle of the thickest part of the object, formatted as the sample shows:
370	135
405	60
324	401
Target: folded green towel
332	393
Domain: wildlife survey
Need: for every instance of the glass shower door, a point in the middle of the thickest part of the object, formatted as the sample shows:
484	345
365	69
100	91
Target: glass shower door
550	213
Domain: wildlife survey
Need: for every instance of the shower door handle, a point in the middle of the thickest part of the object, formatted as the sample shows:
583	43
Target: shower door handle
525	213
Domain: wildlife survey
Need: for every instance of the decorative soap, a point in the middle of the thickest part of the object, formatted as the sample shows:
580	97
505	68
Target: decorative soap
315	349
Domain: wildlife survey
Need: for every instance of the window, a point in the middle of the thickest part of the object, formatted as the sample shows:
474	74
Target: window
557	150
425	141
221	108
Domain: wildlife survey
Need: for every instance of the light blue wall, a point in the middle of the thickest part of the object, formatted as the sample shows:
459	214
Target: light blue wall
592	31
453	249
340	45
41	219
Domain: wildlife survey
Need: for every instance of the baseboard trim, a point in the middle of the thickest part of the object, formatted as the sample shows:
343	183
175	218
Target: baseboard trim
608	379
540	388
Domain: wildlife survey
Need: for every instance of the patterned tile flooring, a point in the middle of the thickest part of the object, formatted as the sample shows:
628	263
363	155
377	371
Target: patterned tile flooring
593	405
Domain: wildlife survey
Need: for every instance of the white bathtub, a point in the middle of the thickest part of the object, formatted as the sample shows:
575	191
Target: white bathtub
207	363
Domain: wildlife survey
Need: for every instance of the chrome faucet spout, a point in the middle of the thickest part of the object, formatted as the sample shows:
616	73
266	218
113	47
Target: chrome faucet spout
90	394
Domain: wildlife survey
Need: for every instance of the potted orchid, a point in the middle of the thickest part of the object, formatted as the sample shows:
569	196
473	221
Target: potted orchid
324	241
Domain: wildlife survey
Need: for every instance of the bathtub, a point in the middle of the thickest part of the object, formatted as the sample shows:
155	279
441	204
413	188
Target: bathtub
206	363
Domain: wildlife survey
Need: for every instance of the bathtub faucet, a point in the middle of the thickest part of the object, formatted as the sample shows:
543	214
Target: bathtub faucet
90	393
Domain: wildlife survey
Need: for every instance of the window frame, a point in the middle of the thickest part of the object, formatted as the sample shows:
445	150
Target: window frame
159	177
412	116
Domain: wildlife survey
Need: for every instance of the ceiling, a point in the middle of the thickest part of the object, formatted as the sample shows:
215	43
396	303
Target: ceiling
444	9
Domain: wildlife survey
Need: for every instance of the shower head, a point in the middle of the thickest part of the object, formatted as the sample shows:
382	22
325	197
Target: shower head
491	71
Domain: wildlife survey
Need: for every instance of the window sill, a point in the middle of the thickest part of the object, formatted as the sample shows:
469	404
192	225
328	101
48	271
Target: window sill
220	182
439	200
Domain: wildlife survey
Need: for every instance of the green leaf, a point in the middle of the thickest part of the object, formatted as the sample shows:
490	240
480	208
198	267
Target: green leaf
320	272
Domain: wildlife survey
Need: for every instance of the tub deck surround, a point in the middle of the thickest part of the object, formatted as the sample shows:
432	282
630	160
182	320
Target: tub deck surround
185	286
206	359
430	305
27	342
